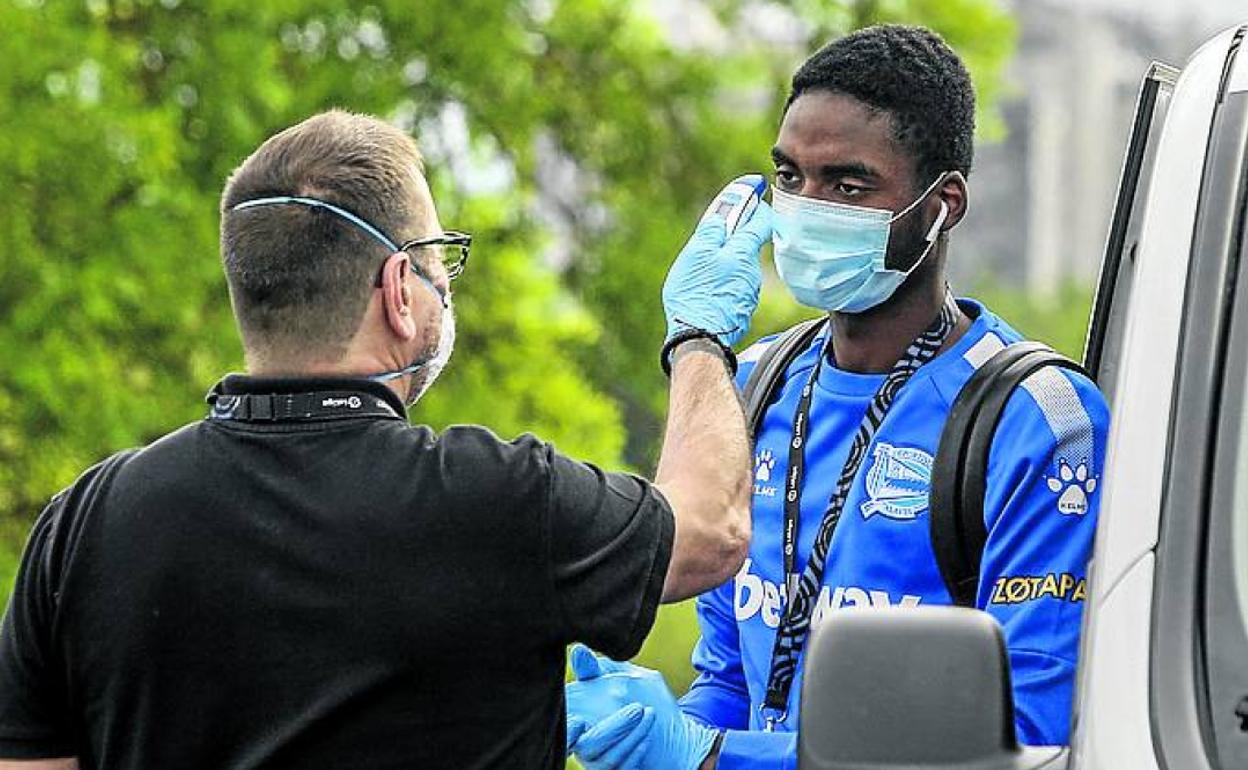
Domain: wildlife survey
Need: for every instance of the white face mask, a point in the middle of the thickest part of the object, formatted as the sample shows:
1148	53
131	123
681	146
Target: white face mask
426	369
428	372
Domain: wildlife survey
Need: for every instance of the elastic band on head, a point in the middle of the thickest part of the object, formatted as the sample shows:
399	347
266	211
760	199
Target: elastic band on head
320	204
347	215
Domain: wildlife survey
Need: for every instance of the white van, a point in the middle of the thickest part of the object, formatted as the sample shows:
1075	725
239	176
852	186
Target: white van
1163	674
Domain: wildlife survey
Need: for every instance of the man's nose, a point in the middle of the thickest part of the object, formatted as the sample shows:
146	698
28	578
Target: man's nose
441	281
810	188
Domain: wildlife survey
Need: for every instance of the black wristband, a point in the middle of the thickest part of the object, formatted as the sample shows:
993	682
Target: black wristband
669	347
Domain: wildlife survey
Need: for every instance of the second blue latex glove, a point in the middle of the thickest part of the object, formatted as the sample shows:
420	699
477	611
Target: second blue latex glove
714	283
596	710
619	742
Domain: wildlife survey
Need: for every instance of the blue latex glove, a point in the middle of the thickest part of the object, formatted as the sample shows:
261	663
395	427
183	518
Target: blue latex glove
594	695
714	283
619	742
605	735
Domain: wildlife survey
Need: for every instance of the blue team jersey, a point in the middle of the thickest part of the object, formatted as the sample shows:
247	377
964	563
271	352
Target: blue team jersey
1040	514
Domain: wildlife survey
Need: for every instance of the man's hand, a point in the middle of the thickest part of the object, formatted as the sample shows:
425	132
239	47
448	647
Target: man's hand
623	717
712	287
594	696
621	741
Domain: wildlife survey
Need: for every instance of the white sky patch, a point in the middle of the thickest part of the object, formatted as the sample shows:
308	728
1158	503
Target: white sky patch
476	168
1217	13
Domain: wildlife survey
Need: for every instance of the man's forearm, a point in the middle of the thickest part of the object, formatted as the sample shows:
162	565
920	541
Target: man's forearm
67	763
704	471
712	759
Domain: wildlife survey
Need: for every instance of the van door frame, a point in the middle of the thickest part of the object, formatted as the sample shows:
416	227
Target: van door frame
1179	705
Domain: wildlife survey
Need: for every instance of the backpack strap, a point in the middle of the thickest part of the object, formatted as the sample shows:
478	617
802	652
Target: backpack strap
760	386
959	473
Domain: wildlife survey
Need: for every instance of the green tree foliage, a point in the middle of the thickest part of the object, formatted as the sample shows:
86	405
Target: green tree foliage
123	119
572	137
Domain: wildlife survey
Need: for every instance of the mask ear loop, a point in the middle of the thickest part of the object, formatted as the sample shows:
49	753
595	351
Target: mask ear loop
424	360
932	234
922	196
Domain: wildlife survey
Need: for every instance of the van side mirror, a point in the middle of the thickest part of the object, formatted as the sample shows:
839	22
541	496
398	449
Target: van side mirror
910	688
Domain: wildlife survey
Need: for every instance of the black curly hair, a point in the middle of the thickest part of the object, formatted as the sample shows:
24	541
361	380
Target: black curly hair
914	76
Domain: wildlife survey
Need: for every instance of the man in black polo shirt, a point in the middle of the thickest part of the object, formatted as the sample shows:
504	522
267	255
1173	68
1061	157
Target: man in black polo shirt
303	579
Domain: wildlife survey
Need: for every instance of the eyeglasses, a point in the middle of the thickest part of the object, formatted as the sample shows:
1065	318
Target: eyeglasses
451	247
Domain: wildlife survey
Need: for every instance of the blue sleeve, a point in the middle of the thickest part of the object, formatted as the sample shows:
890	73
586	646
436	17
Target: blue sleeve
1042	497
756	750
718	696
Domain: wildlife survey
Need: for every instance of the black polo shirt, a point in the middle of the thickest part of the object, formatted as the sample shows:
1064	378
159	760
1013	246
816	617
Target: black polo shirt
338	591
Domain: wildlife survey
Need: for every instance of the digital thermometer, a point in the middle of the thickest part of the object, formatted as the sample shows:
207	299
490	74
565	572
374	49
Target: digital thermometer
737	201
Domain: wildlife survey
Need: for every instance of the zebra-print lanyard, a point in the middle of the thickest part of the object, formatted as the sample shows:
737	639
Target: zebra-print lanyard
802	589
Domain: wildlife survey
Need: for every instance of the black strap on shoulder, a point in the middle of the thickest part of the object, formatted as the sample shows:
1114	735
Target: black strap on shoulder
956	506
760	386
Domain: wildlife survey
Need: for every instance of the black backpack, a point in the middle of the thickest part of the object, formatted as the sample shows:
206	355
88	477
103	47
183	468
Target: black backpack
956	498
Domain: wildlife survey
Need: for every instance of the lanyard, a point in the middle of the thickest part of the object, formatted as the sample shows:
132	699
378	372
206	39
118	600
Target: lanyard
298	407
802	587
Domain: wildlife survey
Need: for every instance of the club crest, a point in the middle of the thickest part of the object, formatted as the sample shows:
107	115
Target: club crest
897	482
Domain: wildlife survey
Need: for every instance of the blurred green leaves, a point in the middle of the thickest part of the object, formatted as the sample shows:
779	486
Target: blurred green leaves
573	137
578	140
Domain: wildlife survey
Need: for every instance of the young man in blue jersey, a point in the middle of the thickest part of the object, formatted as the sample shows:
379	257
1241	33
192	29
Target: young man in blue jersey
871	166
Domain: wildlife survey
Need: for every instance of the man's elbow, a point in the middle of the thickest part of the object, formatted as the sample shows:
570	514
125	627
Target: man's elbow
707	560
735	544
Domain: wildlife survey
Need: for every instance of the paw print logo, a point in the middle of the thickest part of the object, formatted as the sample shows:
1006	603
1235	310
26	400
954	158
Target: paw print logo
1073	487
764	462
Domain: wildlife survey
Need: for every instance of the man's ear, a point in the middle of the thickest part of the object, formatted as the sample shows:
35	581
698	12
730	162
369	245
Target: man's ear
396	296
953	191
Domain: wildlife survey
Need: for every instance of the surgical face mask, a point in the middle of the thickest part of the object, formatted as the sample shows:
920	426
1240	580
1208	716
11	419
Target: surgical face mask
831	255
426	369
433	367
